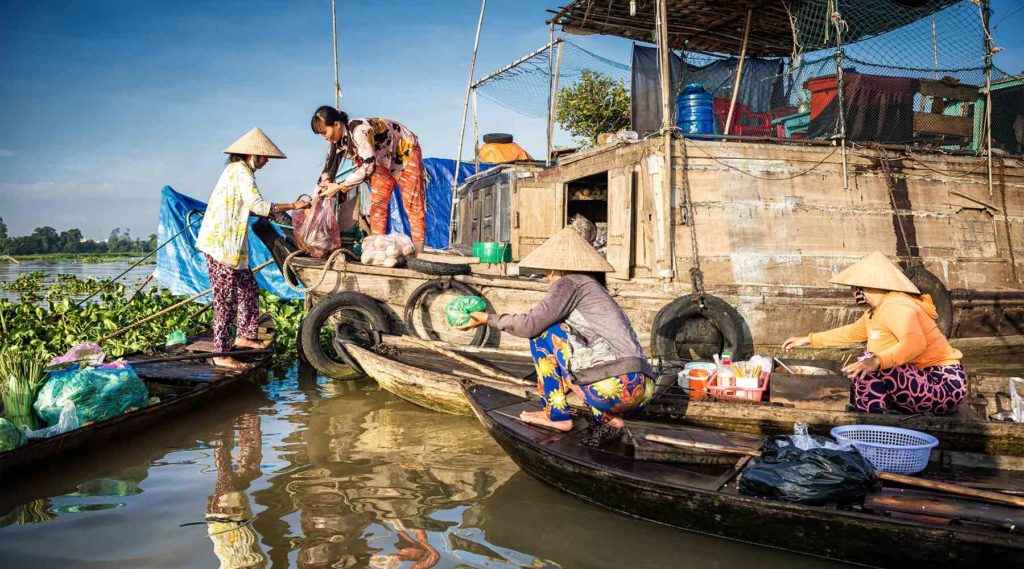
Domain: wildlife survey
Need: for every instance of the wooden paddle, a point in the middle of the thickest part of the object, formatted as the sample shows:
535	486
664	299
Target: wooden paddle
492	372
997	497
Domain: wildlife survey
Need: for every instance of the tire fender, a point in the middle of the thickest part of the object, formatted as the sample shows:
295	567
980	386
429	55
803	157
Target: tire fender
440	285
928	283
313	322
670	319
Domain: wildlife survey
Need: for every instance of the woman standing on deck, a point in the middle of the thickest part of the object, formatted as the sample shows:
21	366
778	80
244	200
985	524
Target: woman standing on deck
385	153
909	366
580	339
223	237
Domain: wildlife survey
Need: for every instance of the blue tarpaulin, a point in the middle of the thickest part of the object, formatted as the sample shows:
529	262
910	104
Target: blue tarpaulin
181	268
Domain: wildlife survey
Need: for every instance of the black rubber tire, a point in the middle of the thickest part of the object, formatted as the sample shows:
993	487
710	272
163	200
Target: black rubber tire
298	342
497	138
439	285
928	283
670	319
317	316
437	269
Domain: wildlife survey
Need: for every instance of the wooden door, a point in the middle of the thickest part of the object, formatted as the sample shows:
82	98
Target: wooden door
538	212
620	222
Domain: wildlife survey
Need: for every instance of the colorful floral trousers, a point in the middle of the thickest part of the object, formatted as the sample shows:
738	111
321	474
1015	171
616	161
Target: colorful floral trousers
618	396
412	188
235	301
910	389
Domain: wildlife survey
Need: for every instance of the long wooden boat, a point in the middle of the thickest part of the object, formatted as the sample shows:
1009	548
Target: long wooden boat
182	384
704	498
431	380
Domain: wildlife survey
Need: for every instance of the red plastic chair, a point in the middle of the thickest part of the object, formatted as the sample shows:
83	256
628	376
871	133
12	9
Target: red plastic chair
744	122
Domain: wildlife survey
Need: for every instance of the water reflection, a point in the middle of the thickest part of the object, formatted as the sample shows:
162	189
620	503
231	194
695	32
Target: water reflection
229	509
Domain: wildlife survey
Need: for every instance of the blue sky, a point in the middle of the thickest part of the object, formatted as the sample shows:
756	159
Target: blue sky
103	103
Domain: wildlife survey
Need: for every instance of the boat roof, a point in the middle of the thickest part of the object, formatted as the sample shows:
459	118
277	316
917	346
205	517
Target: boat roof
717	26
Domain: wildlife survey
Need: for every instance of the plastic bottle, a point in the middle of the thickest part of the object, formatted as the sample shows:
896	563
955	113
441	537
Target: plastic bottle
695	110
726	377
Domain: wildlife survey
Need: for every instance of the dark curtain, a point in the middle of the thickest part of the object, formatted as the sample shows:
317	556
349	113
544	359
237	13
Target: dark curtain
878	109
645	88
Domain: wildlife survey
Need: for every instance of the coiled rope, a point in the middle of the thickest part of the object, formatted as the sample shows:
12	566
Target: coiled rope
328	265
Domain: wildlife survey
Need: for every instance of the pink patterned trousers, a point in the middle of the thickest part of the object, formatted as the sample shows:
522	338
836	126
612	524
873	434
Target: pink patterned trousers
909	389
235	301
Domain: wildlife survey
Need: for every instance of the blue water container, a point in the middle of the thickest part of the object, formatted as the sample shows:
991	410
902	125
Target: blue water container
695	113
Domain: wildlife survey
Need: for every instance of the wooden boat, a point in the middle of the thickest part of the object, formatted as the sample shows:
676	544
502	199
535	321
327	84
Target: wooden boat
943	532
431	380
181	380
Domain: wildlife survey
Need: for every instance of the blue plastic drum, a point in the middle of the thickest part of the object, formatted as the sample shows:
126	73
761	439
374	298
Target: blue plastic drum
695	113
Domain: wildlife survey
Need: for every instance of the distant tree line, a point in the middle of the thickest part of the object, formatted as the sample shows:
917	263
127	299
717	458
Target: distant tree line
47	240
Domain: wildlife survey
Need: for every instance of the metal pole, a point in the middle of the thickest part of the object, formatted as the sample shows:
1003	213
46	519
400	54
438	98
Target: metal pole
465	107
986	15
334	31
739	72
667	126
551	87
553	104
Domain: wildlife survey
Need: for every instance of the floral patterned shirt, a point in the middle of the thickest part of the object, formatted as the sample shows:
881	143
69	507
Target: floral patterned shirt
372	143
224	232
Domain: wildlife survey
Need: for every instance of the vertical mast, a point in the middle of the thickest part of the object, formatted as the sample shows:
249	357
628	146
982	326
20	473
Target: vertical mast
465	109
334	34
664	229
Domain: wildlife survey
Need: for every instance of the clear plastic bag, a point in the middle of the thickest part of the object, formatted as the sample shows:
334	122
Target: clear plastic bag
316	229
387	250
97	393
1016	401
68	422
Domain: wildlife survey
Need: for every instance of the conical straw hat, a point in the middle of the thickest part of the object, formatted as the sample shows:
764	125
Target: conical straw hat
567	251
255	143
875	271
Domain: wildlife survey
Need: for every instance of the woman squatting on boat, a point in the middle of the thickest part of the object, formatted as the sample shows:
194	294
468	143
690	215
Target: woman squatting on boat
909	366
385	154
223	238
580	340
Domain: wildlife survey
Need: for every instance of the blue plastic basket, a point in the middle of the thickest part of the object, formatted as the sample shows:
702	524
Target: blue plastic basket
889	449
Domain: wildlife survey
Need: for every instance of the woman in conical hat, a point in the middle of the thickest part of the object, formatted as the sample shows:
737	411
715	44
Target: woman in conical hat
223	238
909	366
580	339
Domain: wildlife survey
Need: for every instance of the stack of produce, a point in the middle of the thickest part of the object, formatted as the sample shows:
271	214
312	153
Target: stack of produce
387	250
21	375
99	393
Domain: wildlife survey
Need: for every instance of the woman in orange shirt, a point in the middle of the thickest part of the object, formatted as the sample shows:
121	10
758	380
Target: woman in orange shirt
909	366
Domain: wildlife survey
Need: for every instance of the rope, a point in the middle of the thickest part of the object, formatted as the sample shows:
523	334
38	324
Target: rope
745	173
328	265
696	275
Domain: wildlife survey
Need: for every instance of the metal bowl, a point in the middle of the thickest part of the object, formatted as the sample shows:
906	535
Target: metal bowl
807	370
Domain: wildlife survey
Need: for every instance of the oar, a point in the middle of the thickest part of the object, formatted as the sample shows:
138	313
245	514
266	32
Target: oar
488	370
998	497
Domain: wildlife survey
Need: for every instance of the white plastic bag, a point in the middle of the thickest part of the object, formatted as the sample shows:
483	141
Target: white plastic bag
68	422
387	250
1016	401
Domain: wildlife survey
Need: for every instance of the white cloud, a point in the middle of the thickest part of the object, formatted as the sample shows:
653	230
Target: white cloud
4	153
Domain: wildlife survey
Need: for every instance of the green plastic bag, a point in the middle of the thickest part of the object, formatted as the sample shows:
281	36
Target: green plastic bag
176	338
457	311
11	436
99	393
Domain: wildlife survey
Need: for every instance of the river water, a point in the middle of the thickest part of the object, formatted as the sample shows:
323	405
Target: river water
302	471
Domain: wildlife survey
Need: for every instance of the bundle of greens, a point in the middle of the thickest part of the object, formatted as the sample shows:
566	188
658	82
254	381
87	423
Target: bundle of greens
22	374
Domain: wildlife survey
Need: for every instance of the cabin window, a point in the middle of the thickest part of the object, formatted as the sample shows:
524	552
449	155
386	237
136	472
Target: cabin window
588	197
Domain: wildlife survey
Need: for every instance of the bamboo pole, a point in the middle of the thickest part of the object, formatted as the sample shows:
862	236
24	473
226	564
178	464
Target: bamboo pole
465	107
476	135
553	103
334	33
739	71
986	14
171	308
667	127
551	86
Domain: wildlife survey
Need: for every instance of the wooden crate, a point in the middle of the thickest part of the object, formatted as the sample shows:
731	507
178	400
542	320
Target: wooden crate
822	392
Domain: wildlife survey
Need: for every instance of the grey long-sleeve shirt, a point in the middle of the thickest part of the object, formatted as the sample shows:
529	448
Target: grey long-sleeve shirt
603	341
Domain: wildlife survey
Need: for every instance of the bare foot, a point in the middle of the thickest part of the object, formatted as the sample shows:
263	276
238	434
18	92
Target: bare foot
251	344
616	422
228	362
542	419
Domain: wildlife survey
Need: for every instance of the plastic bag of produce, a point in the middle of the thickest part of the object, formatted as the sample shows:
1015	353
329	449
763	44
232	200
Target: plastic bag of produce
818	475
11	436
68	422
457	311
98	393
386	250
90	354
316	229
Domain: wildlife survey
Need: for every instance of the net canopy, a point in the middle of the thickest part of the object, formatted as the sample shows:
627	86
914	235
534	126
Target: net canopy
523	85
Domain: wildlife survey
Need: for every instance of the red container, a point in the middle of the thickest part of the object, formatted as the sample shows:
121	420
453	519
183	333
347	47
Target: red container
823	91
734	392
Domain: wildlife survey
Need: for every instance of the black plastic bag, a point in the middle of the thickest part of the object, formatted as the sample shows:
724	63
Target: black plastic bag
819	475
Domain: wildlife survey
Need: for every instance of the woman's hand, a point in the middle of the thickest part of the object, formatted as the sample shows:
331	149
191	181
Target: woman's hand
861	368
476	319
795	342
329	189
300	204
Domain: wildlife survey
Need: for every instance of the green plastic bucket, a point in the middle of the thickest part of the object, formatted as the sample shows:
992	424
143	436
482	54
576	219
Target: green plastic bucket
492	252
